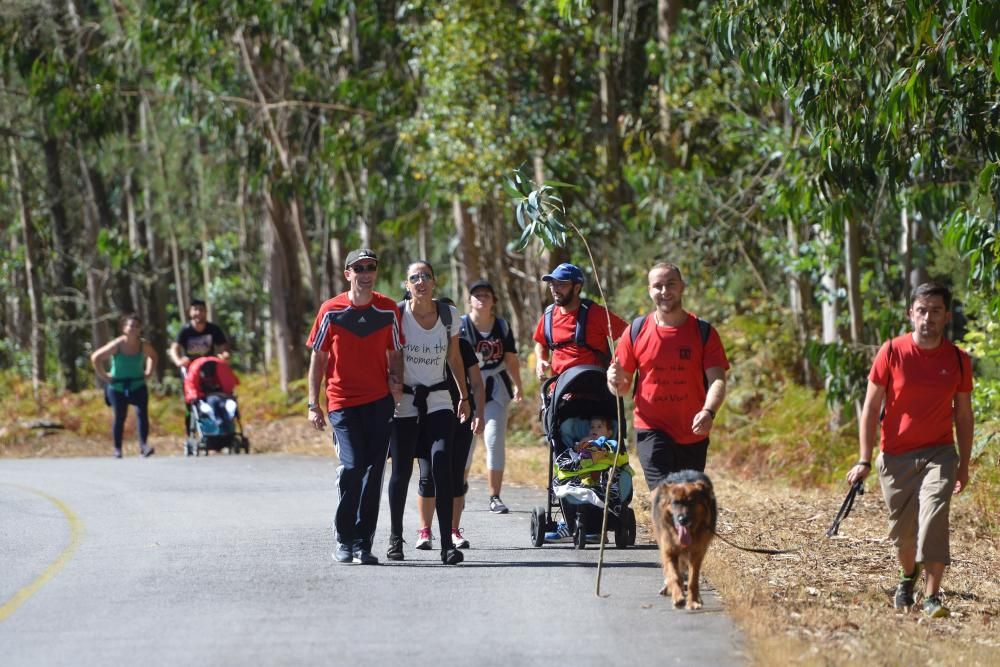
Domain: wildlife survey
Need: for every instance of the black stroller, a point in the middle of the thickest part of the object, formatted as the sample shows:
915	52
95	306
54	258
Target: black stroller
577	487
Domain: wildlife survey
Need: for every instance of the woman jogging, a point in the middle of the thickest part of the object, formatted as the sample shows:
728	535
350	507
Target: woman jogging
424	421
133	360
494	344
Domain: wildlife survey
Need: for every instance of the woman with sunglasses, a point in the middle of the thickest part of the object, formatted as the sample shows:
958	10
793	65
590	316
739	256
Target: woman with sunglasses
133	361
424	422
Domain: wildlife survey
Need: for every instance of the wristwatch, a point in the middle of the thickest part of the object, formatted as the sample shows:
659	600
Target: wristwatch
312	406
709	411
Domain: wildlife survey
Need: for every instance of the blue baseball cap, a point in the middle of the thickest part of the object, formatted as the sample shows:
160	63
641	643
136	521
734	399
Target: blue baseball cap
565	271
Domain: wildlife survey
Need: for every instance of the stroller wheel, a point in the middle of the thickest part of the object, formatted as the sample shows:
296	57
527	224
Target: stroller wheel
580	536
628	517
538	526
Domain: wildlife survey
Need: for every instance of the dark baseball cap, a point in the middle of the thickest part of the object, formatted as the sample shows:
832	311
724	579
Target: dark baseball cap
361	253
565	271
481	284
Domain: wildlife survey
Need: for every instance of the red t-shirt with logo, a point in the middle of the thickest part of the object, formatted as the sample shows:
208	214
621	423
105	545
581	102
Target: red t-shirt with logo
595	335
920	392
671	362
357	339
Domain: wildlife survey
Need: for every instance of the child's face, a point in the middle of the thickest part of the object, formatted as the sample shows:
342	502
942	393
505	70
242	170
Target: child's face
599	428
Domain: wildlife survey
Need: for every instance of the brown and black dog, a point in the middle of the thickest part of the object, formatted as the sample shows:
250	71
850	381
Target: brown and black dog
684	517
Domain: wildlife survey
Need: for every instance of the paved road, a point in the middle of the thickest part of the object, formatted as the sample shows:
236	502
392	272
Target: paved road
226	560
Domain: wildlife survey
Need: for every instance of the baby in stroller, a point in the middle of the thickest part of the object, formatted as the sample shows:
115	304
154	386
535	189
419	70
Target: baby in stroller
582	431
209	387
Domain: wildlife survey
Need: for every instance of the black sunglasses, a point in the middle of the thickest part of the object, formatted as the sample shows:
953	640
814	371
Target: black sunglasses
417	277
364	268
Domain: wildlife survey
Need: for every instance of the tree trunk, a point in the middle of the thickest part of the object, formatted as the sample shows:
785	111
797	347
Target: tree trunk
667	12
852	269
798	299
287	314
470	267
156	299
65	305
32	276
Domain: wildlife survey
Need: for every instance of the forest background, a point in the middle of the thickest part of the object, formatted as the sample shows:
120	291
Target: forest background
804	162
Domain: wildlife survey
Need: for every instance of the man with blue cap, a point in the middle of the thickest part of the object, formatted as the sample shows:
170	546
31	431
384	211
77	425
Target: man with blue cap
573	330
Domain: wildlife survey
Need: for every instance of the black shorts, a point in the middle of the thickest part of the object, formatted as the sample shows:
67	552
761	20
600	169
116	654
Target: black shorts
660	455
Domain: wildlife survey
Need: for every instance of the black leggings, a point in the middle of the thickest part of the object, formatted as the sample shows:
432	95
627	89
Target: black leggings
120	400
429	440
460	448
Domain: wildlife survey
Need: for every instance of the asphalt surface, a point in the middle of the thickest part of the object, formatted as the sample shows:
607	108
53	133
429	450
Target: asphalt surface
227	560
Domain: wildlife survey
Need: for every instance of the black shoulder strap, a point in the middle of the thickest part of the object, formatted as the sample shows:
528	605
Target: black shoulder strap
961	367
580	335
468	331
547	327
705	329
504	328
444	312
636	327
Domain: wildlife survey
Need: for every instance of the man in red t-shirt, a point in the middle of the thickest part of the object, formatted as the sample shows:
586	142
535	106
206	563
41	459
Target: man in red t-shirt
681	382
357	344
557	346
925	383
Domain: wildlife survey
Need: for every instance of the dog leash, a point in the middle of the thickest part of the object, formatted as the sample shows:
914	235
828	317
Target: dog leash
857	489
769	552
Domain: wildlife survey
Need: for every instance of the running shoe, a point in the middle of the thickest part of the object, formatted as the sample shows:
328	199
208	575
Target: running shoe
904	589
118	452
344	553
497	506
425	541
395	551
460	541
147	451
934	608
560	534
451	556
363	556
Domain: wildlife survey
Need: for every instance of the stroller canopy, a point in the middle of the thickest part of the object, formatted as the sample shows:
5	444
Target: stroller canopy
581	391
206	375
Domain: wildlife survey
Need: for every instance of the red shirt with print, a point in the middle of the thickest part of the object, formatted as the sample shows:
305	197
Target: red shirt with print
357	339
671	363
564	329
920	392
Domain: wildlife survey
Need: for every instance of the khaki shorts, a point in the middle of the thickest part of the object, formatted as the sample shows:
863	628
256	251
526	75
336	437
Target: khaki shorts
917	487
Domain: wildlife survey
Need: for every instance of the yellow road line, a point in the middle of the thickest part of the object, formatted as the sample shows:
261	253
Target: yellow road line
75	534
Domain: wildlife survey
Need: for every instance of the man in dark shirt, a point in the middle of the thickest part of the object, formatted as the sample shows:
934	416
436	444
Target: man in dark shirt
197	338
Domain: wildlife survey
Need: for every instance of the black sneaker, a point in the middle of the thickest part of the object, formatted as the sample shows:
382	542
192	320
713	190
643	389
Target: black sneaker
363	556
451	556
904	589
344	553
395	551
497	506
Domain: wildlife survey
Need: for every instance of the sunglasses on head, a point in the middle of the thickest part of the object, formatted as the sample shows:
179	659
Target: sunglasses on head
364	268
417	277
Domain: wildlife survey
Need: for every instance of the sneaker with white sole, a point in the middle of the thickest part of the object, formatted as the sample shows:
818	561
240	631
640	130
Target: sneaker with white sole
425	540
560	534
497	506
459	539
934	608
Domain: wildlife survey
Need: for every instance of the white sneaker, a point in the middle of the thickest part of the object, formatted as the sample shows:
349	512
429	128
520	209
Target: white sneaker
458	539
425	541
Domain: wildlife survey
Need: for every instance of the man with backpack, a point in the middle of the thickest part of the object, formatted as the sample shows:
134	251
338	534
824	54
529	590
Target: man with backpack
680	368
572	331
925	384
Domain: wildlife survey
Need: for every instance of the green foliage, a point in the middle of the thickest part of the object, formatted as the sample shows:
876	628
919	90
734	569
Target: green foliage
538	212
